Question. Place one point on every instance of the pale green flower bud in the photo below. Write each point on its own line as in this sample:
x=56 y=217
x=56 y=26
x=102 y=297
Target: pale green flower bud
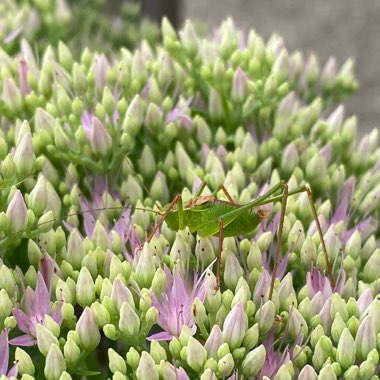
x=120 y=294
x=65 y=376
x=131 y=190
x=213 y=299
x=327 y=373
x=45 y=225
x=100 y=237
x=17 y=213
x=296 y=236
x=251 y=337
x=254 y=361
x=116 y=268
x=61 y=140
x=129 y=322
x=332 y=241
x=367 y=369
x=52 y=325
x=242 y=295
x=368 y=248
x=239 y=86
x=208 y=374
x=12 y=96
x=265 y=317
x=8 y=167
x=89 y=261
x=10 y=322
x=151 y=316
x=37 y=200
x=307 y=373
x=147 y=162
x=68 y=315
x=85 y=289
x=215 y=107
x=6 y=304
x=63 y=101
x=116 y=362
x=88 y=330
x=204 y=134
x=308 y=252
x=159 y=282
x=175 y=347
x=226 y=365
x=64 y=56
x=101 y=141
x=299 y=356
x=55 y=363
x=337 y=327
x=321 y=352
x=369 y=272
x=351 y=373
x=254 y=259
x=353 y=245
x=196 y=354
x=134 y=116
x=45 y=339
x=264 y=241
x=346 y=350
x=365 y=338
x=199 y=311
x=25 y=362
x=71 y=351
x=133 y=358
x=213 y=342
x=146 y=268
x=159 y=189
x=204 y=251
x=296 y=324
x=101 y=314
x=146 y=368
x=157 y=352
x=235 y=326
x=75 y=252
x=110 y=332
x=338 y=304
x=234 y=270
x=189 y=39
x=223 y=350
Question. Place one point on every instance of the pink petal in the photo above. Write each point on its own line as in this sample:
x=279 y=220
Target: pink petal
x=22 y=319
x=23 y=340
x=14 y=370
x=57 y=314
x=4 y=349
x=13 y=35
x=160 y=336
x=42 y=300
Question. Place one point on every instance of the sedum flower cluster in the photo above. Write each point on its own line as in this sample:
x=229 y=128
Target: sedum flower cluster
x=91 y=150
x=78 y=23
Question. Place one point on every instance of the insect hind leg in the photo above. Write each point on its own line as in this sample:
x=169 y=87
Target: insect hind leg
x=284 y=198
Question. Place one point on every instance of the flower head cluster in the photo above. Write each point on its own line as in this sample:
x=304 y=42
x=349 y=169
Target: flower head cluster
x=106 y=141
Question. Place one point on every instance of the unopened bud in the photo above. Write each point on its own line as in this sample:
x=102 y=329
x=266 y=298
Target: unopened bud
x=146 y=368
x=55 y=363
x=88 y=330
x=254 y=361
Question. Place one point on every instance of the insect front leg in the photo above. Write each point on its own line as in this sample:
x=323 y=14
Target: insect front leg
x=177 y=200
x=225 y=191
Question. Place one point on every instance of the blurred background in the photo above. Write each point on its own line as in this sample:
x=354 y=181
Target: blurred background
x=348 y=28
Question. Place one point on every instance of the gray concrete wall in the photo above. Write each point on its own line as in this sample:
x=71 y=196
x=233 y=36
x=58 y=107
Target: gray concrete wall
x=342 y=28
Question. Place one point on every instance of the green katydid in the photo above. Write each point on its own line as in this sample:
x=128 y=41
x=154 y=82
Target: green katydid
x=209 y=216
